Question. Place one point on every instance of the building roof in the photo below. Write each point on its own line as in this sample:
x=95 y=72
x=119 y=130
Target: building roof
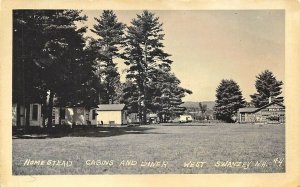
x=250 y=110
x=280 y=104
x=270 y=105
x=111 y=107
x=247 y=109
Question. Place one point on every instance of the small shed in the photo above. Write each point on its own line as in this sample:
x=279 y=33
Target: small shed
x=111 y=114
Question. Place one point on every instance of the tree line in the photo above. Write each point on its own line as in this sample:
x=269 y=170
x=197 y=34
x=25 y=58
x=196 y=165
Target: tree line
x=229 y=97
x=55 y=65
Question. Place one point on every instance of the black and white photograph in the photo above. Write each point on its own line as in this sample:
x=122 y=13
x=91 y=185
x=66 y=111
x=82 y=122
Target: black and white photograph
x=114 y=92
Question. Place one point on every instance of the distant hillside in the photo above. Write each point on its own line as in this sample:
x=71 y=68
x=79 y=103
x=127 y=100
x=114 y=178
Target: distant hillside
x=192 y=104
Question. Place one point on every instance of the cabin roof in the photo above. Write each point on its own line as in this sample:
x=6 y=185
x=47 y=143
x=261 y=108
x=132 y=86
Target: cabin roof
x=280 y=104
x=111 y=107
x=250 y=110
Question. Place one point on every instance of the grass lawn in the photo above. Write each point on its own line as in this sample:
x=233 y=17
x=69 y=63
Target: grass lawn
x=155 y=149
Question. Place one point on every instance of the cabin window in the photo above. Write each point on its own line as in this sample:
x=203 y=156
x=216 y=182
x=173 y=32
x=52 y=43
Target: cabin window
x=62 y=113
x=34 y=112
x=94 y=114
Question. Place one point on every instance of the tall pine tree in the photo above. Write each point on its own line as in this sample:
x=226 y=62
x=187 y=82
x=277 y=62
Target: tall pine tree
x=143 y=55
x=55 y=60
x=229 y=100
x=167 y=95
x=151 y=86
x=63 y=64
x=110 y=42
x=27 y=43
x=266 y=86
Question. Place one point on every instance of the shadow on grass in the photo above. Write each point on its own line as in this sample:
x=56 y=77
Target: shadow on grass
x=189 y=124
x=83 y=132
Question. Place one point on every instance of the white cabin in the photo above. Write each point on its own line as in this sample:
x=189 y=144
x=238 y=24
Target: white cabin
x=35 y=114
x=74 y=116
x=111 y=114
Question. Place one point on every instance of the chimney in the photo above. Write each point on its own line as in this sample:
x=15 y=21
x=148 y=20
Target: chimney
x=270 y=99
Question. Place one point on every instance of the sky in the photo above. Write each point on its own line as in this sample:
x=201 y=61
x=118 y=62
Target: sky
x=210 y=45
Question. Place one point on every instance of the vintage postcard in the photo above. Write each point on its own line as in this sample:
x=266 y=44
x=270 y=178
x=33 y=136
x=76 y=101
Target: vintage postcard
x=150 y=94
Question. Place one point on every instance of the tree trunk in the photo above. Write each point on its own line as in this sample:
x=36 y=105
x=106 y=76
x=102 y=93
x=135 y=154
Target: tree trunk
x=144 y=110
x=27 y=108
x=110 y=87
x=50 y=108
x=99 y=97
x=100 y=88
x=44 y=111
x=59 y=116
x=145 y=85
x=109 y=101
x=18 y=115
x=140 y=111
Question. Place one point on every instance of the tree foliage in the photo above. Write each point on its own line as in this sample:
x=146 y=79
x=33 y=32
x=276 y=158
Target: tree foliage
x=50 y=48
x=107 y=47
x=266 y=86
x=229 y=100
x=53 y=63
x=152 y=87
x=27 y=42
x=203 y=107
x=167 y=95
